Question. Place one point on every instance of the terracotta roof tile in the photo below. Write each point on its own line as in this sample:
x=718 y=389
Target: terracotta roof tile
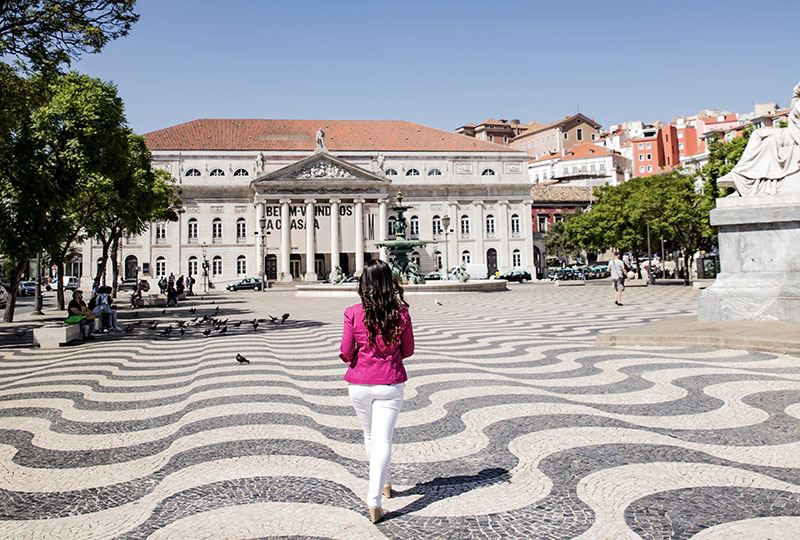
x=340 y=135
x=554 y=193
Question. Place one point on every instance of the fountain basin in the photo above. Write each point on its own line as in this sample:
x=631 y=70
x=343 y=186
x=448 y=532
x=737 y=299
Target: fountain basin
x=431 y=287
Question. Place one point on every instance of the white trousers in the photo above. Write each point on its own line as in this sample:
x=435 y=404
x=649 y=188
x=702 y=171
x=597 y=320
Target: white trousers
x=377 y=407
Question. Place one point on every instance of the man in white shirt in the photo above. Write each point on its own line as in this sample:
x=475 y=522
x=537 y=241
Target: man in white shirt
x=617 y=270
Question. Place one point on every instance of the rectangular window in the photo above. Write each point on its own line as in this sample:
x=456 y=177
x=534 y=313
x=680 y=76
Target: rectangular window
x=641 y=145
x=680 y=134
x=649 y=168
x=566 y=170
x=542 y=222
x=594 y=136
x=680 y=146
x=648 y=146
x=580 y=134
x=641 y=168
x=602 y=167
x=649 y=157
x=592 y=168
x=641 y=157
x=566 y=136
x=161 y=233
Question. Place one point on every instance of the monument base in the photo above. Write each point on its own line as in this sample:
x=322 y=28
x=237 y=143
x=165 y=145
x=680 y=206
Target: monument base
x=759 y=247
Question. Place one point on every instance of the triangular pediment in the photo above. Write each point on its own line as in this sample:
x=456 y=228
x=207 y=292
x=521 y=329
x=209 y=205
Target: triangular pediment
x=321 y=168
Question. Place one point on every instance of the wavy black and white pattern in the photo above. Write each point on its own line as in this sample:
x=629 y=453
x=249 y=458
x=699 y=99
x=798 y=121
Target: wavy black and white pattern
x=515 y=426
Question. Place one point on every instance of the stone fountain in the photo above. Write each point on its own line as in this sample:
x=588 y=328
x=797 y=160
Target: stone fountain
x=400 y=247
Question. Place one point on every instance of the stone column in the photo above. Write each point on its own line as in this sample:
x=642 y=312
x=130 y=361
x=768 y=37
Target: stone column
x=477 y=232
x=177 y=244
x=311 y=274
x=527 y=233
x=382 y=228
x=89 y=268
x=452 y=247
x=504 y=262
x=285 y=275
x=359 y=237
x=334 y=236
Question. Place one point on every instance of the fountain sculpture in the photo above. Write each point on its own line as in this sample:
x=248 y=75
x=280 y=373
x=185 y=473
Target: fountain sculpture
x=400 y=247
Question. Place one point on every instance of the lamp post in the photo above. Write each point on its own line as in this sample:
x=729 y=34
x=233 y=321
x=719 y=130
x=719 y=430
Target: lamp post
x=446 y=225
x=205 y=268
x=264 y=277
x=37 y=310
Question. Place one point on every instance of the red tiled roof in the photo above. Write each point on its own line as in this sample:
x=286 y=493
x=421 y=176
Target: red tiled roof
x=551 y=125
x=585 y=150
x=340 y=135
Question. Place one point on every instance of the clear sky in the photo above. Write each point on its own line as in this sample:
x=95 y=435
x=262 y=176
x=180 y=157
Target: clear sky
x=449 y=63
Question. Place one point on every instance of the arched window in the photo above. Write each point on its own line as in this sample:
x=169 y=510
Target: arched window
x=490 y=226
x=487 y=172
x=412 y=172
x=216 y=230
x=161 y=266
x=392 y=220
x=241 y=266
x=515 y=231
x=434 y=172
x=241 y=172
x=192 y=172
x=192 y=266
x=437 y=225
x=192 y=231
x=241 y=230
x=516 y=258
x=216 y=266
x=391 y=172
x=413 y=226
x=466 y=257
x=217 y=172
x=415 y=258
x=464 y=226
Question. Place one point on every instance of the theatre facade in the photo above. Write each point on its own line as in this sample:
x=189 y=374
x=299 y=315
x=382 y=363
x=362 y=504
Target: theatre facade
x=296 y=198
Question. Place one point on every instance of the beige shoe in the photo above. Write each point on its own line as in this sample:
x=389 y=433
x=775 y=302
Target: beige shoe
x=375 y=513
x=387 y=491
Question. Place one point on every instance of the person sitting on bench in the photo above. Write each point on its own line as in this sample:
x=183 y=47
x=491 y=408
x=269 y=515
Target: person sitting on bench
x=77 y=308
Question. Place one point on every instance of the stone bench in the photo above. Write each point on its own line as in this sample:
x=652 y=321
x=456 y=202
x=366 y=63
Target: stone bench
x=156 y=300
x=50 y=337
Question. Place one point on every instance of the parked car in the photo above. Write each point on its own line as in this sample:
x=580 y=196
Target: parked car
x=245 y=284
x=26 y=288
x=130 y=285
x=433 y=276
x=517 y=275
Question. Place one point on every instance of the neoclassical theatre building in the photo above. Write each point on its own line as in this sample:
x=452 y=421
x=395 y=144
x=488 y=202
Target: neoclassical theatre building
x=303 y=196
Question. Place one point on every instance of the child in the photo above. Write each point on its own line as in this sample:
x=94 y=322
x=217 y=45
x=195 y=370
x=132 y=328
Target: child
x=377 y=337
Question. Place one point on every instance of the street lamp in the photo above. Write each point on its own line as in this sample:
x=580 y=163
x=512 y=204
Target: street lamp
x=264 y=278
x=446 y=225
x=205 y=268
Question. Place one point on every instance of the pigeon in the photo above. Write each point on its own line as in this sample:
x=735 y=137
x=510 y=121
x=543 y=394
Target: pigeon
x=237 y=324
x=255 y=326
x=213 y=302
x=437 y=302
x=164 y=311
x=284 y=317
x=129 y=329
x=166 y=330
x=192 y=310
x=193 y=320
x=216 y=309
x=206 y=332
x=201 y=298
x=183 y=330
x=241 y=359
x=138 y=323
x=274 y=319
x=154 y=326
x=223 y=330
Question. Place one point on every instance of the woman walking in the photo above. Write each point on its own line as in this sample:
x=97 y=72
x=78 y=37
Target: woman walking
x=377 y=337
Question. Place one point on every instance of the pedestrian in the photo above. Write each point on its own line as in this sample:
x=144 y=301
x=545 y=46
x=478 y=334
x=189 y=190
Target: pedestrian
x=191 y=286
x=171 y=279
x=179 y=286
x=617 y=270
x=162 y=284
x=172 y=295
x=377 y=336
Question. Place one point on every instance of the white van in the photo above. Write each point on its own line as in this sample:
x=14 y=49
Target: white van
x=71 y=283
x=478 y=271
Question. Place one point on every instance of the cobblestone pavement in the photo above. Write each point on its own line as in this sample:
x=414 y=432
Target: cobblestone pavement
x=515 y=426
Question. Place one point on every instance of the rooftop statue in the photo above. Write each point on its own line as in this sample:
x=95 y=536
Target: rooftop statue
x=320 y=140
x=771 y=161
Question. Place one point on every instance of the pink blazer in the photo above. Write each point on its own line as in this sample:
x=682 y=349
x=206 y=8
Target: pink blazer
x=374 y=364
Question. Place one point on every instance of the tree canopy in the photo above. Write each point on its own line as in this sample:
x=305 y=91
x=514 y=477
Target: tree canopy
x=47 y=34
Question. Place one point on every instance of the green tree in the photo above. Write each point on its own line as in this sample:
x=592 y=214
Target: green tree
x=722 y=156
x=558 y=243
x=46 y=34
x=47 y=155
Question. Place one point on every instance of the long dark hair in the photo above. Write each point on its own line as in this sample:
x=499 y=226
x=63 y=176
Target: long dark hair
x=382 y=298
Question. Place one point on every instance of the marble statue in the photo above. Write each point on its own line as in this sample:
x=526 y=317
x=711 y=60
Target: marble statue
x=260 y=162
x=770 y=163
x=320 y=140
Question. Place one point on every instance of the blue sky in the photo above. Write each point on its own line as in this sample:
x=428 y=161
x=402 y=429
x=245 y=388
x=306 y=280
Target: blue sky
x=447 y=63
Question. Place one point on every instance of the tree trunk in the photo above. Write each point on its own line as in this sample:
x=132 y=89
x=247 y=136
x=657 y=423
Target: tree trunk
x=114 y=265
x=11 y=301
x=101 y=269
x=687 y=268
x=60 y=285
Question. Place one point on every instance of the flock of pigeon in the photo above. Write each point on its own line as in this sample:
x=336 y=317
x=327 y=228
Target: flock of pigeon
x=208 y=325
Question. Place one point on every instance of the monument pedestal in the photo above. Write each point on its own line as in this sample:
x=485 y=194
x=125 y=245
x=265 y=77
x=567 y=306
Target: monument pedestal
x=759 y=247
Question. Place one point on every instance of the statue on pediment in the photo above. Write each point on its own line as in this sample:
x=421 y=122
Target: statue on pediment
x=260 y=161
x=322 y=169
x=770 y=163
x=320 y=141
